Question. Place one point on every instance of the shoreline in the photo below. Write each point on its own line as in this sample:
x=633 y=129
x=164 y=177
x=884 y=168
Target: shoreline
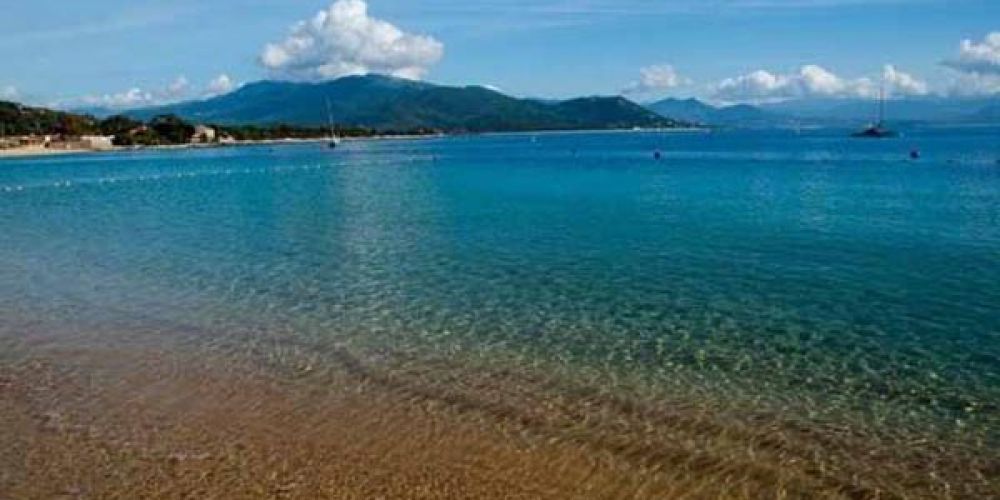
x=102 y=422
x=31 y=152
x=163 y=417
x=34 y=151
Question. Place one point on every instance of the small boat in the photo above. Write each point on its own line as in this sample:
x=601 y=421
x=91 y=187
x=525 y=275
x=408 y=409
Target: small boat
x=877 y=130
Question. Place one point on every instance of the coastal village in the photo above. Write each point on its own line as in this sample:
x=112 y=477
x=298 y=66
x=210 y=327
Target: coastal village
x=32 y=131
x=36 y=144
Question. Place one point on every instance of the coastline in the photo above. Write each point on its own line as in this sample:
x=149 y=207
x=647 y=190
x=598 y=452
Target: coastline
x=34 y=151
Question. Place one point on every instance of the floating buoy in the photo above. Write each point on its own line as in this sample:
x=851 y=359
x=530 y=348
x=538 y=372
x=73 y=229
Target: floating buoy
x=914 y=154
x=657 y=155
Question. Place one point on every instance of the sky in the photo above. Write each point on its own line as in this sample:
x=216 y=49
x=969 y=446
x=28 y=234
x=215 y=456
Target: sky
x=126 y=53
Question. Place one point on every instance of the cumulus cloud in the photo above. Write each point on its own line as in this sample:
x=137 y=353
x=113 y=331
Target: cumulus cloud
x=131 y=98
x=975 y=84
x=810 y=81
x=137 y=97
x=344 y=40
x=813 y=81
x=903 y=84
x=219 y=85
x=179 y=88
x=981 y=58
x=977 y=67
x=656 y=79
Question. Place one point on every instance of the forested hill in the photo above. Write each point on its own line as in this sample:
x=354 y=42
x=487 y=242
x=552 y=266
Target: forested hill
x=386 y=103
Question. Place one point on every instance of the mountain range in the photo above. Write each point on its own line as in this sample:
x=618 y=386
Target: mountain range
x=392 y=104
x=387 y=103
x=695 y=111
x=832 y=112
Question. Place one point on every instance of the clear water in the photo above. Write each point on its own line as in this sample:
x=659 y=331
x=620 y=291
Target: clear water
x=806 y=267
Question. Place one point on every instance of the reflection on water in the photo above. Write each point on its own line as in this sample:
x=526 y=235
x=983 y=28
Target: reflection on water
x=822 y=275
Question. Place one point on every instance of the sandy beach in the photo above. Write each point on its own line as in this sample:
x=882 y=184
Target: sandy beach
x=39 y=151
x=93 y=424
x=85 y=422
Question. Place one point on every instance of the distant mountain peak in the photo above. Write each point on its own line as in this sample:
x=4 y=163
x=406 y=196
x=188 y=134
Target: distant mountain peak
x=696 y=111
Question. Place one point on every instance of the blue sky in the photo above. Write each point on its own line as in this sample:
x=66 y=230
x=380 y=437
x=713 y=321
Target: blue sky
x=98 y=50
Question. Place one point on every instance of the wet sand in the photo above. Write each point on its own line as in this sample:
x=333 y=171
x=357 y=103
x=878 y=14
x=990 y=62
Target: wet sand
x=91 y=424
x=88 y=422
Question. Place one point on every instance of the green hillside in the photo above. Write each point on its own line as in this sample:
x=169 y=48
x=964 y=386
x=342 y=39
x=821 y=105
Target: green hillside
x=386 y=103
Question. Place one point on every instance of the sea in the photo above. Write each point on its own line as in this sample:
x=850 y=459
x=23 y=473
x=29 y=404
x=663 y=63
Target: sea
x=831 y=281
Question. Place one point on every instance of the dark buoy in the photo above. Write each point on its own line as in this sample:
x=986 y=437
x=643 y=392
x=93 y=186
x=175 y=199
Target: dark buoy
x=914 y=154
x=657 y=155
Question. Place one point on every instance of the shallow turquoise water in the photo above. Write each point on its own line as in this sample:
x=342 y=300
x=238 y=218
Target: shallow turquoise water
x=778 y=265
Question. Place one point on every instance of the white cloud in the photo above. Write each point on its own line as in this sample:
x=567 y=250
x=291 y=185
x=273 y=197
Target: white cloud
x=980 y=58
x=656 y=79
x=9 y=92
x=344 y=40
x=975 y=84
x=219 y=85
x=810 y=81
x=902 y=84
x=178 y=89
x=131 y=98
x=136 y=97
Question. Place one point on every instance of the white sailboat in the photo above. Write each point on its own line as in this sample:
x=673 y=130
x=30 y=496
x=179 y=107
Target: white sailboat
x=334 y=140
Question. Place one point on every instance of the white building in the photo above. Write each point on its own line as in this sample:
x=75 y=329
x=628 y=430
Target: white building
x=203 y=134
x=98 y=142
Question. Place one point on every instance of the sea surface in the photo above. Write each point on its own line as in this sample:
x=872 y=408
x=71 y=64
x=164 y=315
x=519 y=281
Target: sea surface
x=808 y=271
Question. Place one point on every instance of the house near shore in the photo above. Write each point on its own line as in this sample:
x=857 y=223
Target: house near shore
x=26 y=141
x=203 y=135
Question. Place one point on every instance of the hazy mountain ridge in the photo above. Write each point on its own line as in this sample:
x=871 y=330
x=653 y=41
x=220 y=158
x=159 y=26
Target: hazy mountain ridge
x=840 y=112
x=741 y=115
x=922 y=109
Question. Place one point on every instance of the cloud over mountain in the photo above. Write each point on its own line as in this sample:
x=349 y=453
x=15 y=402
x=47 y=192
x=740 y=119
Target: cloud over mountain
x=221 y=84
x=810 y=81
x=131 y=98
x=813 y=81
x=656 y=78
x=344 y=40
x=902 y=84
x=981 y=58
x=179 y=89
x=978 y=67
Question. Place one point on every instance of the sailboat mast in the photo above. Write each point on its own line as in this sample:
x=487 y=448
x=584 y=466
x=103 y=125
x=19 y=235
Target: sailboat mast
x=881 y=102
x=329 y=117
